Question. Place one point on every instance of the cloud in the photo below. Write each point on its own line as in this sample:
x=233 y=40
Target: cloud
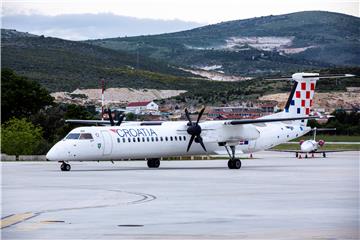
x=92 y=26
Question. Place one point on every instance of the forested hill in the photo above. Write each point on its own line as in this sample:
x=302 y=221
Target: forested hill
x=66 y=65
x=261 y=45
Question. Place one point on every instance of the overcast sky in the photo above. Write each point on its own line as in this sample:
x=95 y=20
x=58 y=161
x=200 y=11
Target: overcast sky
x=83 y=19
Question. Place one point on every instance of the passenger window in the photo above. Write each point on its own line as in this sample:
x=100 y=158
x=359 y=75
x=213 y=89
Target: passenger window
x=73 y=136
x=184 y=138
x=138 y=139
x=129 y=140
x=148 y=139
x=175 y=138
x=156 y=139
x=143 y=139
x=118 y=140
x=134 y=139
x=166 y=138
x=171 y=138
x=123 y=140
x=161 y=139
x=152 y=139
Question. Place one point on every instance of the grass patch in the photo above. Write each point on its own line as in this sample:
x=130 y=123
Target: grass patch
x=329 y=138
x=296 y=146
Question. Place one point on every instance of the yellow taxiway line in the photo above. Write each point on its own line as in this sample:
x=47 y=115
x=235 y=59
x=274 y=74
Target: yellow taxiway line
x=15 y=218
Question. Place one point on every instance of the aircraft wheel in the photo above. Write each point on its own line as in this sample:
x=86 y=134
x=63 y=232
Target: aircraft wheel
x=296 y=155
x=234 y=163
x=65 y=167
x=237 y=164
x=231 y=164
x=150 y=163
x=306 y=156
x=156 y=163
x=324 y=155
x=153 y=163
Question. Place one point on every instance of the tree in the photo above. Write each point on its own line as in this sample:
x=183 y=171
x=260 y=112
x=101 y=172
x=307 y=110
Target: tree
x=21 y=97
x=20 y=137
x=130 y=116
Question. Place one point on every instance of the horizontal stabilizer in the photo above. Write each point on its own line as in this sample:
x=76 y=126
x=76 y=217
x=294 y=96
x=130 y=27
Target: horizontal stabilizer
x=314 y=75
x=262 y=120
x=89 y=122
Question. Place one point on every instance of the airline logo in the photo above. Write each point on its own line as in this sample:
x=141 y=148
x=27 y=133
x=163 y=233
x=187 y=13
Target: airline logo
x=303 y=97
x=135 y=132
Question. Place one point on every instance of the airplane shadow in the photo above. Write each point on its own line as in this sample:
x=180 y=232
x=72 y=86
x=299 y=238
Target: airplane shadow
x=244 y=168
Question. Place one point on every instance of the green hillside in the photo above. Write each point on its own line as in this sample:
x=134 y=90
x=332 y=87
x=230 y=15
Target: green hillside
x=331 y=39
x=66 y=65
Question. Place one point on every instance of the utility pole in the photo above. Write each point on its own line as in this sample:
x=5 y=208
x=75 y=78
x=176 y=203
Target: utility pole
x=102 y=98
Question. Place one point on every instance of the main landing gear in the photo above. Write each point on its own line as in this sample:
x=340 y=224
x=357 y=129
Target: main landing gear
x=153 y=162
x=65 y=167
x=233 y=163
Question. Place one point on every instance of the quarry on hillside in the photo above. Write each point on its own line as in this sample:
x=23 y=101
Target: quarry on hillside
x=327 y=101
x=113 y=95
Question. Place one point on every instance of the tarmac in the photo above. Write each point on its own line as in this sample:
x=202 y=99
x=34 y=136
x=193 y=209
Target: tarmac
x=273 y=196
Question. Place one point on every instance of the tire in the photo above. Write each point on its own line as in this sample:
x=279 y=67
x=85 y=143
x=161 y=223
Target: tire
x=237 y=164
x=150 y=163
x=62 y=167
x=156 y=163
x=153 y=163
x=67 y=167
x=231 y=164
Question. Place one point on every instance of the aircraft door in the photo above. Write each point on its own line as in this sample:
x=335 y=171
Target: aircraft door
x=107 y=141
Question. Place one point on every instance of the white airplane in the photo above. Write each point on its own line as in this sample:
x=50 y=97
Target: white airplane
x=153 y=140
x=312 y=146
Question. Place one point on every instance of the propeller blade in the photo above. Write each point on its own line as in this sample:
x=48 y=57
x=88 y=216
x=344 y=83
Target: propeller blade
x=121 y=118
x=200 y=115
x=190 y=142
x=200 y=140
x=188 y=116
x=110 y=117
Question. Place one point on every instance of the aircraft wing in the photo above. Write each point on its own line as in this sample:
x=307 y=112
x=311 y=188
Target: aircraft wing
x=89 y=122
x=291 y=150
x=265 y=120
x=300 y=151
x=328 y=151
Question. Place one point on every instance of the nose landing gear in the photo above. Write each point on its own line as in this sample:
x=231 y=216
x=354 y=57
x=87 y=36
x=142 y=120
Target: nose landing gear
x=65 y=167
x=233 y=163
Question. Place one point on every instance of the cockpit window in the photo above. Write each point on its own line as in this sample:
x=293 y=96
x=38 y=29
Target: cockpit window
x=73 y=136
x=86 y=136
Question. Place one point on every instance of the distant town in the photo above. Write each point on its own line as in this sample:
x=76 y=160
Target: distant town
x=154 y=105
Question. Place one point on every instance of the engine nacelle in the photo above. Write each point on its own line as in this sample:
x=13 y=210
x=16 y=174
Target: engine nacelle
x=321 y=143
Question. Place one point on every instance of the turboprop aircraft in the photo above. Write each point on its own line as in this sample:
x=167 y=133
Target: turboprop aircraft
x=153 y=140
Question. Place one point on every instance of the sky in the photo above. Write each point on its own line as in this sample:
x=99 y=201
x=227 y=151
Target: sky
x=89 y=19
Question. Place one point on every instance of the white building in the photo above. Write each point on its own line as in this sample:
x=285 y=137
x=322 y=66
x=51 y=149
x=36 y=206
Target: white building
x=142 y=107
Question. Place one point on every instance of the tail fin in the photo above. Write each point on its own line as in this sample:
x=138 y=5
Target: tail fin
x=301 y=98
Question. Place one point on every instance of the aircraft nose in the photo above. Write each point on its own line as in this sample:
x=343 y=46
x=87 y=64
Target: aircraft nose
x=306 y=147
x=55 y=153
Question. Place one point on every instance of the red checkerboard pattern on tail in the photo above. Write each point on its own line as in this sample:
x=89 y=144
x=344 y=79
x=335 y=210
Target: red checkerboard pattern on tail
x=302 y=95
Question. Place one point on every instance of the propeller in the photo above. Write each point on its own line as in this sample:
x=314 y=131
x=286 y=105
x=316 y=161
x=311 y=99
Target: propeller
x=112 y=123
x=121 y=118
x=194 y=129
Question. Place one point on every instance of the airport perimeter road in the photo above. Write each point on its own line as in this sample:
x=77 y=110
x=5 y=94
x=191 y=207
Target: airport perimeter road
x=274 y=196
